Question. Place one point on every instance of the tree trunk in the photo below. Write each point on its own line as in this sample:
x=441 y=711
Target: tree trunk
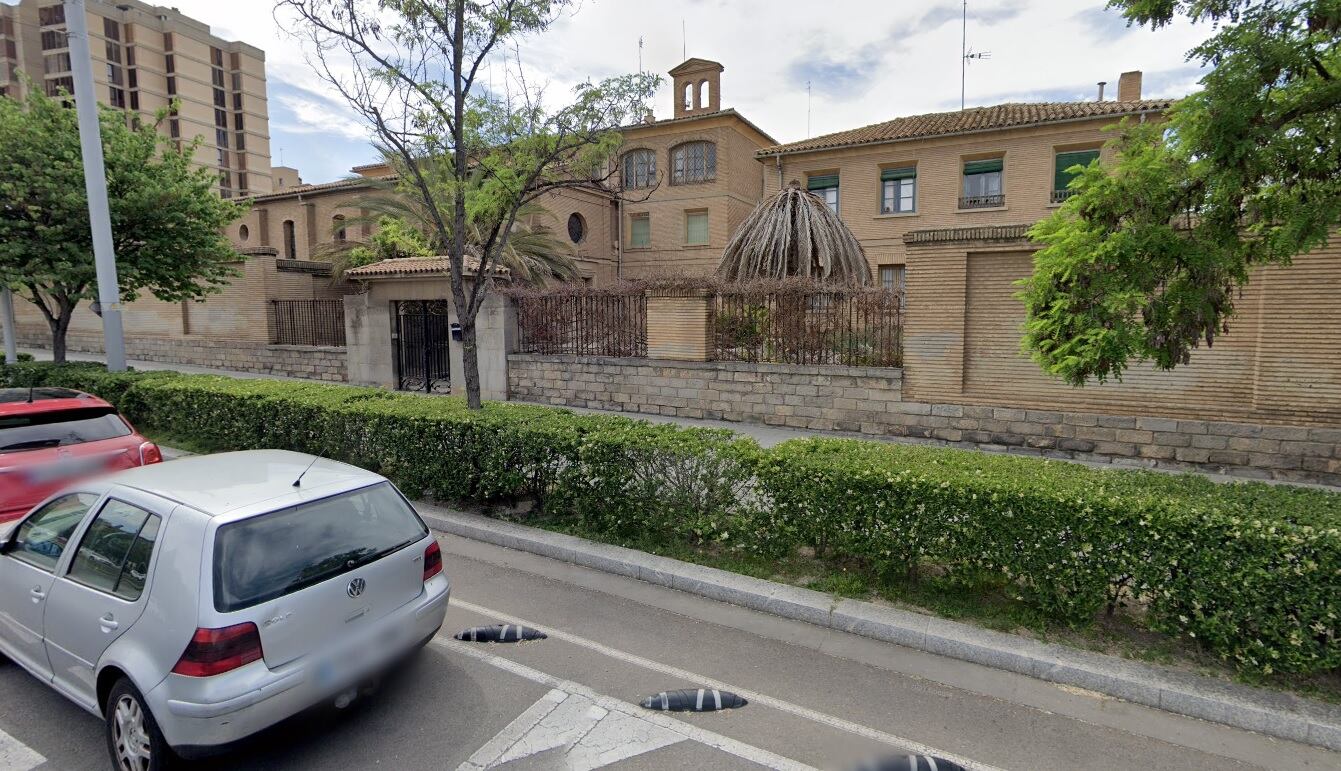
x=59 y=326
x=470 y=363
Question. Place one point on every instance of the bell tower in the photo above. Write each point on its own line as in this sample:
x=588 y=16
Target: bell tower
x=697 y=87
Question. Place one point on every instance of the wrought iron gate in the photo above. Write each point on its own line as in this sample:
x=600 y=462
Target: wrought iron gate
x=422 y=340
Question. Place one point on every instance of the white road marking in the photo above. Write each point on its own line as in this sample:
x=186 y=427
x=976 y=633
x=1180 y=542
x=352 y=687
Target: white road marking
x=17 y=756
x=591 y=736
x=753 y=696
x=612 y=705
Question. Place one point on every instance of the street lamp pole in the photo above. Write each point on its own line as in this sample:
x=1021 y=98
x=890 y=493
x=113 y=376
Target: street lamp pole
x=95 y=183
x=11 y=332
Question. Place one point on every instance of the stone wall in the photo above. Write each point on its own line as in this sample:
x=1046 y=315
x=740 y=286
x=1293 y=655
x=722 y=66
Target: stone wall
x=314 y=363
x=869 y=402
x=774 y=394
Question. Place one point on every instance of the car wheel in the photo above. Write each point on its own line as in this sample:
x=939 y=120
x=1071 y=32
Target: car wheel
x=133 y=738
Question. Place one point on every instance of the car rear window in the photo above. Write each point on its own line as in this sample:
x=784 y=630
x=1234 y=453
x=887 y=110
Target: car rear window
x=59 y=428
x=275 y=554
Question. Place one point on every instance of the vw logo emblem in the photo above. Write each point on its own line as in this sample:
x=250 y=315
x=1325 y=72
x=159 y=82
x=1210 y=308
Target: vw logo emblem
x=356 y=587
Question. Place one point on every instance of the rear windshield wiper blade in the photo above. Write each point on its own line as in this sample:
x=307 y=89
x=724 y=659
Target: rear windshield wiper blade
x=35 y=444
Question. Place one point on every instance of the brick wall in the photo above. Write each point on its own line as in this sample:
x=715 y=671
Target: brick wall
x=869 y=401
x=314 y=363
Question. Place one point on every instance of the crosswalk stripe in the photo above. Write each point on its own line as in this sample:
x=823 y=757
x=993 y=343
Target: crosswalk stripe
x=17 y=756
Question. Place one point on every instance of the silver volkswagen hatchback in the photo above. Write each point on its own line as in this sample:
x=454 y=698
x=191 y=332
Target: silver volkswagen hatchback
x=193 y=603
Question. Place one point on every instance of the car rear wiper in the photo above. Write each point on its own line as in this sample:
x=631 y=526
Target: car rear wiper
x=34 y=444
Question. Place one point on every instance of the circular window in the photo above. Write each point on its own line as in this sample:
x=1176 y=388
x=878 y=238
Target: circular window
x=243 y=233
x=577 y=227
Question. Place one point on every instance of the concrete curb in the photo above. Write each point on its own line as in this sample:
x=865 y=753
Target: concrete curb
x=1272 y=713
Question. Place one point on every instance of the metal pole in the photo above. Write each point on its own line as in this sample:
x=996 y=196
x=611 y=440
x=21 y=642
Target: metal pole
x=963 y=55
x=11 y=331
x=95 y=183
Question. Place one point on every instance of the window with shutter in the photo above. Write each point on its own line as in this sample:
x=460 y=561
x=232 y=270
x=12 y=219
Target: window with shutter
x=1062 y=176
x=898 y=190
x=826 y=187
x=696 y=228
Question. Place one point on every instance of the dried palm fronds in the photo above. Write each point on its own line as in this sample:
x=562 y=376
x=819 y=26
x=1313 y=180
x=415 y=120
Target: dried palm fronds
x=794 y=233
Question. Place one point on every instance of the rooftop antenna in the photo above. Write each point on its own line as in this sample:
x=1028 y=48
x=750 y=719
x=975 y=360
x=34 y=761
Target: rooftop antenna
x=807 y=109
x=684 y=41
x=966 y=54
x=640 y=54
x=299 y=481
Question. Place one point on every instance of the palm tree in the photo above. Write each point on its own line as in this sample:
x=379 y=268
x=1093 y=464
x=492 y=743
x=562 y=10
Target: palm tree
x=794 y=233
x=534 y=255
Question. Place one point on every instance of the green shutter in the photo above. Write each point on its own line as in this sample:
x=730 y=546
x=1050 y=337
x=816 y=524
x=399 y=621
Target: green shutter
x=983 y=167
x=696 y=229
x=640 y=231
x=909 y=172
x=1065 y=161
x=822 y=182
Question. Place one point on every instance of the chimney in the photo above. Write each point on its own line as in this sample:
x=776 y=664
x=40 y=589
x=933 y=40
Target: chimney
x=1129 y=86
x=1102 y=83
x=649 y=117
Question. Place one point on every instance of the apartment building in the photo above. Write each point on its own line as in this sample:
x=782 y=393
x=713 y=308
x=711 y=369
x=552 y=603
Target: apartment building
x=984 y=166
x=688 y=181
x=144 y=58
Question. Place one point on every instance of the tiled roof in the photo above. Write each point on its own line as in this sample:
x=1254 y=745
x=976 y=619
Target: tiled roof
x=413 y=266
x=323 y=187
x=729 y=111
x=1001 y=116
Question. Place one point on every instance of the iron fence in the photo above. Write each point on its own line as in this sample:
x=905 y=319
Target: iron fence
x=308 y=322
x=854 y=328
x=583 y=324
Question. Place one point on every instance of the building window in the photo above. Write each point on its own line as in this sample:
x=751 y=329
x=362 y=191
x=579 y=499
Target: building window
x=242 y=184
x=114 y=74
x=693 y=162
x=982 y=184
x=1061 y=177
x=894 y=278
x=216 y=56
x=55 y=86
x=220 y=119
x=52 y=14
x=54 y=63
x=135 y=101
x=640 y=231
x=290 y=241
x=174 y=128
x=234 y=61
x=116 y=98
x=898 y=190
x=170 y=63
x=130 y=56
x=54 y=38
x=241 y=141
x=696 y=228
x=577 y=228
x=221 y=137
x=238 y=123
x=640 y=169
x=172 y=85
x=826 y=187
x=243 y=233
x=167 y=41
x=110 y=29
x=338 y=225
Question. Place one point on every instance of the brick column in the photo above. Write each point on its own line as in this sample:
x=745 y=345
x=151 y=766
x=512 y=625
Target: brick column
x=679 y=325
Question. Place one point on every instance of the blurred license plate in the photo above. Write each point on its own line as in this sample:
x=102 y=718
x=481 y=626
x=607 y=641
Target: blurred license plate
x=64 y=469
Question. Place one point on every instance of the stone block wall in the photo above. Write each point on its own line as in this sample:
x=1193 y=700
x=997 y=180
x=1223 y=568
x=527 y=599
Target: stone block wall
x=773 y=394
x=309 y=362
x=869 y=402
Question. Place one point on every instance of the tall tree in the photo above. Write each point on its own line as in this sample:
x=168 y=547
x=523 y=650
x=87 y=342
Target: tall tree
x=167 y=221
x=1146 y=259
x=412 y=69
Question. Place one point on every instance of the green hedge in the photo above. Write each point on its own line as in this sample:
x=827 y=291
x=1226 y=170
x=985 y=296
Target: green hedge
x=1251 y=571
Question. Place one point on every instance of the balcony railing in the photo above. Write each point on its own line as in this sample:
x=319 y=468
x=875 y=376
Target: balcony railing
x=982 y=201
x=1060 y=195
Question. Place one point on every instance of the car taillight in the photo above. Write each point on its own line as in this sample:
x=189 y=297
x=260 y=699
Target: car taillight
x=432 y=560
x=149 y=453
x=215 y=651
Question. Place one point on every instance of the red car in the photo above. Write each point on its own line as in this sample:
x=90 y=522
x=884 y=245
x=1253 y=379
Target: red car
x=51 y=436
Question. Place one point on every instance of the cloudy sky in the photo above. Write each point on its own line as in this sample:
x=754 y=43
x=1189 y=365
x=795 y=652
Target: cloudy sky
x=866 y=60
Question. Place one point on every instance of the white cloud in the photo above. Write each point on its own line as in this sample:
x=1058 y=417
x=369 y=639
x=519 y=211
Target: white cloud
x=867 y=60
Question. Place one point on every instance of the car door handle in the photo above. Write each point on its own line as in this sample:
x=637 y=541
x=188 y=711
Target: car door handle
x=107 y=623
x=37 y=594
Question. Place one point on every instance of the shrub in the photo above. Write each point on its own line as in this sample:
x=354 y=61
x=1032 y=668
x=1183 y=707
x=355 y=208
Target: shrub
x=1250 y=571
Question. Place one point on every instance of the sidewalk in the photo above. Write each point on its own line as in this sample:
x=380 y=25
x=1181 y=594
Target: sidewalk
x=766 y=436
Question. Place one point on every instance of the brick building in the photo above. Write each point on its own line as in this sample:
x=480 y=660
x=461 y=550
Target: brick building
x=144 y=57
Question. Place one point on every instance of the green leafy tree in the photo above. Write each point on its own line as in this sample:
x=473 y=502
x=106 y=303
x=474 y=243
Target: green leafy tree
x=412 y=69
x=1145 y=261
x=167 y=221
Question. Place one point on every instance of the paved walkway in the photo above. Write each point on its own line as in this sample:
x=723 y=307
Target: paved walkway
x=766 y=436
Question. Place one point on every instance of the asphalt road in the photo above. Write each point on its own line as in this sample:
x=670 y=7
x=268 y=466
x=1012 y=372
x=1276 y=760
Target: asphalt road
x=817 y=698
